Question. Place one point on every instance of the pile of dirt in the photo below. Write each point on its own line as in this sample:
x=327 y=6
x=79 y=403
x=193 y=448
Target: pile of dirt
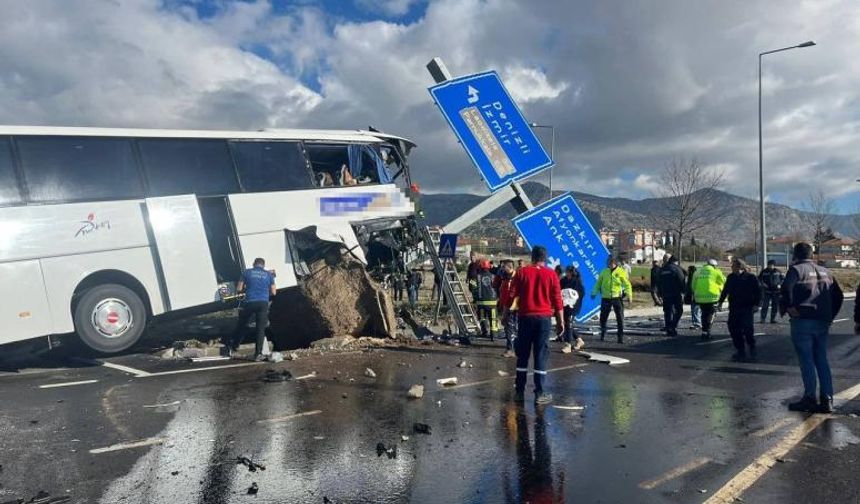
x=338 y=298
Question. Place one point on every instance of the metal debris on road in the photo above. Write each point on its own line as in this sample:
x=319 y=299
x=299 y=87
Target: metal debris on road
x=250 y=464
x=415 y=392
x=404 y=438
x=305 y=377
x=609 y=359
x=463 y=364
x=421 y=428
x=447 y=382
x=253 y=489
x=369 y=373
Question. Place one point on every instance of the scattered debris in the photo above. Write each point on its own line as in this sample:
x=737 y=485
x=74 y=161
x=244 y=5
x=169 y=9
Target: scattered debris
x=404 y=438
x=702 y=491
x=572 y=408
x=369 y=373
x=274 y=376
x=313 y=374
x=253 y=489
x=344 y=395
x=421 y=428
x=250 y=464
x=447 y=382
x=42 y=497
x=319 y=438
x=416 y=392
x=462 y=363
x=609 y=359
x=503 y=373
x=326 y=500
x=174 y=473
x=293 y=356
x=391 y=451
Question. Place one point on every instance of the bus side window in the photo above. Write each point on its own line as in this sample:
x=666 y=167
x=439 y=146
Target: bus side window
x=185 y=166
x=78 y=168
x=9 y=194
x=271 y=166
x=344 y=165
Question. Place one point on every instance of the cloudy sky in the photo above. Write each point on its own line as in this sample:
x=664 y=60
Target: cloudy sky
x=627 y=84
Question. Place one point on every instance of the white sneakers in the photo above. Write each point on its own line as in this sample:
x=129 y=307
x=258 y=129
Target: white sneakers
x=566 y=348
x=580 y=344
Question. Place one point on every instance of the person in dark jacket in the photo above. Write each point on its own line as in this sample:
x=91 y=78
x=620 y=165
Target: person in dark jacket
x=413 y=283
x=812 y=298
x=744 y=295
x=486 y=300
x=671 y=285
x=572 y=280
x=655 y=283
x=695 y=311
x=770 y=279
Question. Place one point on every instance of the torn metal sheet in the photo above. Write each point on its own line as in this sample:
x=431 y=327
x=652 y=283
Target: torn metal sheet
x=609 y=359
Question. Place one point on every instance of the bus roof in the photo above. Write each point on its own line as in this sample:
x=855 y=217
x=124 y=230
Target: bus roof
x=279 y=134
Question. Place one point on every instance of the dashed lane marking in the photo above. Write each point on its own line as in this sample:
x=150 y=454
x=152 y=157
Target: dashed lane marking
x=501 y=378
x=67 y=384
x=138 y=373
x=128 y=446
x=840 y=320
x=742 y=481
x=289 y=417
x=674 y=473
x=202 y=369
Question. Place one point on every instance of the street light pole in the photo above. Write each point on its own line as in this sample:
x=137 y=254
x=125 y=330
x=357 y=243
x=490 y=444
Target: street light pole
x=551 y=150
x=760 y=157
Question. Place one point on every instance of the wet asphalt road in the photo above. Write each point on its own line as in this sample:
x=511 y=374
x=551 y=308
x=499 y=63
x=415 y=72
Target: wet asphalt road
x=674 y=425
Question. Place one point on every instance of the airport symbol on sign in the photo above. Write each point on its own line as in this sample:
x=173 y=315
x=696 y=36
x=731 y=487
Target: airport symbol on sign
x=491 y=128
x=447 y=246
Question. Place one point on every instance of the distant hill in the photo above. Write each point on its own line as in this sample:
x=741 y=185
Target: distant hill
x=737 y=225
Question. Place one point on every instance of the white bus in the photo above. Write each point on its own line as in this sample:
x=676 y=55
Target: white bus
x=103 y=229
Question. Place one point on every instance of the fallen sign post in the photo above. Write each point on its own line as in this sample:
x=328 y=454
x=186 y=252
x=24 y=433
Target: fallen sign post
x=570 y=239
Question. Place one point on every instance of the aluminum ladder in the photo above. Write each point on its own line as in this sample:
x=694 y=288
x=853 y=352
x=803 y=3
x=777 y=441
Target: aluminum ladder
x=452 y=286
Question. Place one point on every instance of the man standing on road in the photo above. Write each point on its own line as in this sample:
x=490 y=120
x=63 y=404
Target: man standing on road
x=258 y=286
x=612 y=285
x=538 y=294
x=486 y=300
x=695 y=311
x=771 y=279
x=671 y=284
x=707 y=286
x=812 y=298
x=744 y=297
x=413 y=283
x=655 y=283
x=572 y=291
x=472 y=273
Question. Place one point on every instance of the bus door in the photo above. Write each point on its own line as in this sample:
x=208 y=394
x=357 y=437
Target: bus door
x=221 y=235
x=181 y=246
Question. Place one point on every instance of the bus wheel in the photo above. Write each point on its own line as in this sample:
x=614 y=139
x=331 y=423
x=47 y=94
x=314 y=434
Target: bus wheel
x=109 y=318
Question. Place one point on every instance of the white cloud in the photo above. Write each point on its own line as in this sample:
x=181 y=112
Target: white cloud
x=530 y=84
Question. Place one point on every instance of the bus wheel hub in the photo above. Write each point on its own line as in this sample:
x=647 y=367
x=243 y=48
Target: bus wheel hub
x=112 y=317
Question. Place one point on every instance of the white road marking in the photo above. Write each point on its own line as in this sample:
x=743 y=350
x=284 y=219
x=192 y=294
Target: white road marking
x=138 y=373
x=500 y=378
x=289 y=417
x=307 y=376
x=163 y=405
x=674 y=473
x=572 y=408
x=713 y=342
x=68 y=384
x=742 y=481
x=840 y=320
x=609 y=359
x=758 y=334
x=200 y=370
x=767 y=431
x=128 y=446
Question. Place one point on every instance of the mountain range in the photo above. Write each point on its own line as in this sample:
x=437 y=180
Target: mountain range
x=737 y=224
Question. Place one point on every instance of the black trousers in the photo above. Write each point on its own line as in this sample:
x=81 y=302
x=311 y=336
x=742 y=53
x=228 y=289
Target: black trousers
x=259 y=310
x=673 y=308
x=742 y=330
x=569 y=325
x=708 y=312
x=616 y=305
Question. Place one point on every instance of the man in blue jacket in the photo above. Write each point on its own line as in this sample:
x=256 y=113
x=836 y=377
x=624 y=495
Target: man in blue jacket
x=258 y=286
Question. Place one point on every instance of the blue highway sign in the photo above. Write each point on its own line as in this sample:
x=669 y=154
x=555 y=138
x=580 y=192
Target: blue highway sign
x=570 y=239
x=491 y=128
x=447 y=246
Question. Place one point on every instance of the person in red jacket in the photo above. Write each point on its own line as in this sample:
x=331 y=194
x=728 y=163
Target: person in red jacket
x=538 y=293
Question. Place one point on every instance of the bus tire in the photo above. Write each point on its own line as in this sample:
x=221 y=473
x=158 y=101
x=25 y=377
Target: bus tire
x=109 y=318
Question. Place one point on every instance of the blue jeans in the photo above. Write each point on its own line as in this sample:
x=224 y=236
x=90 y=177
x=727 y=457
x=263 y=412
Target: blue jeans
x=532 y=336
x=769 y=299
x=696 y=314
x=413 y=295
x=510 y=330
x=810 y=342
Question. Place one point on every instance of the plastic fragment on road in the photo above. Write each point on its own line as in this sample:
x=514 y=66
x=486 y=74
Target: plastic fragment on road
x=462 y=364
x=503 y=373
x=250 y=464
x=369 y=373
x=415 y=392
x=447 y=382
x=391 y=451
x=163 y=405
x=253 y=489
x=276 y=357
x=609 y=359
x=305 y=377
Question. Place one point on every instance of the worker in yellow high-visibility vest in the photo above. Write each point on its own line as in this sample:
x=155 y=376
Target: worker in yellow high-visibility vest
x=613 y=285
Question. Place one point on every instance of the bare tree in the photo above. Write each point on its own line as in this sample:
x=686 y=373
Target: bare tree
x=691 y=195
x=819 y=216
